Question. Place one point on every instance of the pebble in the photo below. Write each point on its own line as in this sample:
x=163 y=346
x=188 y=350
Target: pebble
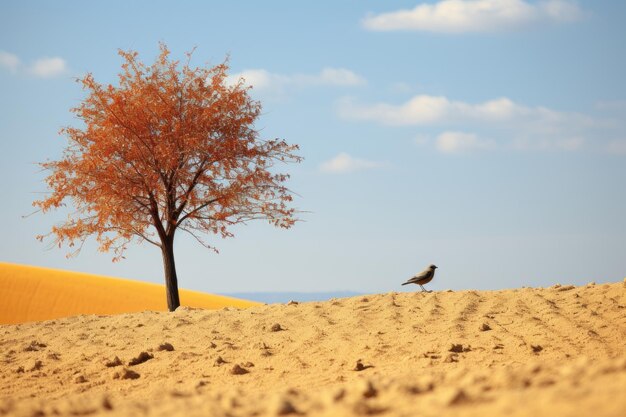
x=238 y=370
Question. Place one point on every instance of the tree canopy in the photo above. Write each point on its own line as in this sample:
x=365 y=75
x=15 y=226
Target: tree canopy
x=171 y=147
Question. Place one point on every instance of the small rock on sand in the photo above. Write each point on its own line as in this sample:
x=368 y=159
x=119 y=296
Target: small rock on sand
x=106 y=403
x=166 y=346
x=339 y=395
x=34 y=346
x=37 y=366
x=457 y=397
x=143 y=357
x=360 y=367
x=115 y=362
x=370 y=391
x=285 y=407
x=219 y=361
x=129 y=374
x=536 y=348
x=458 y=348
x=451 y=358
x=238 y=370
x=364 y=408
x=276 y=327
x=485 y=327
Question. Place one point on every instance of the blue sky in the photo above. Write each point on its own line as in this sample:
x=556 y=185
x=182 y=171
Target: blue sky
x=487 y=137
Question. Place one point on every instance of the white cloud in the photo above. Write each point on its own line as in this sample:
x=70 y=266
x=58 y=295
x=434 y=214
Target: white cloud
x=419 y=110
x=9 y=61
x=258 y=78
x=432 y=110
x=336 y=76
x=264 y=80
x=43 y=67
x=507 y=124
x=453 y=142
x=457 y=16
x=48 y=67
x=344 y=163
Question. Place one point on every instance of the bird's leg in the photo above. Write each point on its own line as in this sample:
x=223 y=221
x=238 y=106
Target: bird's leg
x=423 y=289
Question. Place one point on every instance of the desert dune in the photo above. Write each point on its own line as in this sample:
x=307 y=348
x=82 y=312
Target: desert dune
x=558 y=351
x=31 y=293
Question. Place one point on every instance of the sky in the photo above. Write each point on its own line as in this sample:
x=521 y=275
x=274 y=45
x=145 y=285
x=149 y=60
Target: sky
x=487 y=136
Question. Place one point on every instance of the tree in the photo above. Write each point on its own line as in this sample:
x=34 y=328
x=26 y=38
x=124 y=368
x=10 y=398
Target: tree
x=168 y=149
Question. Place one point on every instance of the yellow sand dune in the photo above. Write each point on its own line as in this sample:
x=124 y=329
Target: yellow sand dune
x=30 y=293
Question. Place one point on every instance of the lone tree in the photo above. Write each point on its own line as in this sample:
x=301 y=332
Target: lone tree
x=170 y=148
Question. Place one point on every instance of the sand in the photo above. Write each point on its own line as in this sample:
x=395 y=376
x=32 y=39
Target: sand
x=558 y=351
x=31 y=293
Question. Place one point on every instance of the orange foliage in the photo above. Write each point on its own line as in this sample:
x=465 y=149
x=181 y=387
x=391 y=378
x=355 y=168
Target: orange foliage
x=171 y=147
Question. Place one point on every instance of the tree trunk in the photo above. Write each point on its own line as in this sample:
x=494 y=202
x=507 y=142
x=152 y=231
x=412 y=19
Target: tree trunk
x=171 y=280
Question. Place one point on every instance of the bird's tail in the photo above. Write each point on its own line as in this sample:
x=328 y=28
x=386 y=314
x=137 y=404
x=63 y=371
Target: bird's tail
x=406 y=283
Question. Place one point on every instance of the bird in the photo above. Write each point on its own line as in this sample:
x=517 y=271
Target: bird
x=423 y=277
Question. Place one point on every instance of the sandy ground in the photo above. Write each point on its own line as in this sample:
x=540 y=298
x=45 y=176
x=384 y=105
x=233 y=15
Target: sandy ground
x=558 y=351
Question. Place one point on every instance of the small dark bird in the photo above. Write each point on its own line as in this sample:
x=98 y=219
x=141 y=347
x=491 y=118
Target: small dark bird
x=423 y=277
